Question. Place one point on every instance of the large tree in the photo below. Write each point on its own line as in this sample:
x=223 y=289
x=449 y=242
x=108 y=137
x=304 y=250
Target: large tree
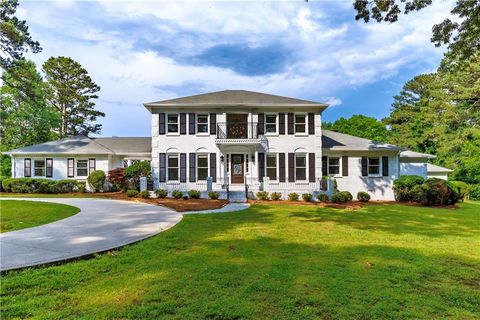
x=439 y=113
x=461 y=37
x=15 y=39
x=26 y=118
x=71 y=91
x=360 y=126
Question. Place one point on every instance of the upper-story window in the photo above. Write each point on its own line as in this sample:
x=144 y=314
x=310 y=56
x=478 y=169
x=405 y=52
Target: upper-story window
x=333 y=166
x=39 y=168
x=172 y=162
x=374 y=165
x=300 y=123
x=202 y=123
x=271 y=123
x=172 y=123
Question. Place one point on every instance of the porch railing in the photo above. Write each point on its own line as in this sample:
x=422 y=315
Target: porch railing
x=238 y=130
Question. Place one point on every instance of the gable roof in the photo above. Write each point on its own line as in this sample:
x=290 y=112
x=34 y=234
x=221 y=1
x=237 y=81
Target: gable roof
x=90 y=145
x=339 y=141
x=435 y=168
x=236 y=98
x=413 y=154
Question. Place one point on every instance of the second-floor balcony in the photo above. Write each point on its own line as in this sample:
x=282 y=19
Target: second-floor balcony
x=238 y=132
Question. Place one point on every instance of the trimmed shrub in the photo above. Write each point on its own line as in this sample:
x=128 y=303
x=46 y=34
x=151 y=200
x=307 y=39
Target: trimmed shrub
x=307 y=197
x=475 y=191
x=194 y=194
x=145 y=194
x=276 y=196
x=323 y=197
x=462 y=188
x=262 y=195
x=214 y=195
x=342 y=197
x=403 y=186
x=81 y=186
x=161 y=193
x=132 y=193
x=96 y=180
x=177 y=194
x=32 y=185
x=116 y=177
x=436 y=192
x=363 y=196
x=293 y=196
x=135 y=171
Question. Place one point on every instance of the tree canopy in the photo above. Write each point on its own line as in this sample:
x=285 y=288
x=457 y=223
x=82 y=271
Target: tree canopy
x=360 y=126
x=71 y=91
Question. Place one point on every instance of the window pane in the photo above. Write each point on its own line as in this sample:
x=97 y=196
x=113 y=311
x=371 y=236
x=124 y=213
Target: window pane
x=300 y=161
x=300 y=174
x=271 y=128
x=172 y=173
x=202 y=161
x=334 y=161
x=202 y=128
x=39 y=168
x=202 y=118
x=271 y=161
x=272 y=173
x=202 y=173
x=172 y=118
x=374 y=161
x=173 y=128
x=172 y=161
x=299 y=128
x=300 y=118
x=373 y=169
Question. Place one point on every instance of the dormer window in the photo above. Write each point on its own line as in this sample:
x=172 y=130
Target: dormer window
x=172 y=123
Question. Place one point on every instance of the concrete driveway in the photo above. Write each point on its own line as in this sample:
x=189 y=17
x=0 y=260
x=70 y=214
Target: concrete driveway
x=100 y=225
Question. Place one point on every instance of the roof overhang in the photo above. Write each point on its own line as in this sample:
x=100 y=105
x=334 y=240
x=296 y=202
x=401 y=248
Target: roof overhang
x=307 y=106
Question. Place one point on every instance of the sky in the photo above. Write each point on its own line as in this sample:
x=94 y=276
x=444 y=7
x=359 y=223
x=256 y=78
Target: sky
x=139 y=52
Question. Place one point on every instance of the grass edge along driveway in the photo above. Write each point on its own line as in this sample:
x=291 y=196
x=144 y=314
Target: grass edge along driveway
x=273 y=262
x=21 y=214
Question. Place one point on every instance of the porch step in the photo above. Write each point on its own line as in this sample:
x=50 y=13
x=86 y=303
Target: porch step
x=237 y=197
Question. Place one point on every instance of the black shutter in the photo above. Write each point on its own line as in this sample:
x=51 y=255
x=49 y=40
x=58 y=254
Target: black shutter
x=183 y=123
x=291 y=119
x=261 y=166
x=183 y=167
x=311 y=167
x=213 y=123
x=49 y=167
x=385 y=166
x=70 y=167
x=27 y=167
x=324 y=166
x=345 y=166
x=191 y=123
x=291 y=167
x=192 y=163
x=311 y=123
x=364 y=166
x=213 y=166
x=261 y=124
x=162 y=173
x=281 y=123
x=161 y=123
x=281 y=160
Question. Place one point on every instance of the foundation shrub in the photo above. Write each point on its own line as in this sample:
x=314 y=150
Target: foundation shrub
x=323 y=197
x=161 y=193
x=403 y=187
x=276 y=196
x=262 y=195
x=293 y=196
x=132 y=193
x=177 y=194
x=363 y=196
x=307 y=197
x=145 y=194
x=214 y=195
x=96 y=180
x=194 y=194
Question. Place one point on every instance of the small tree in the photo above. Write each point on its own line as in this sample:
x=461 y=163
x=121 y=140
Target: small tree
x=96 y=180
x=137 y=170
x=116 y=177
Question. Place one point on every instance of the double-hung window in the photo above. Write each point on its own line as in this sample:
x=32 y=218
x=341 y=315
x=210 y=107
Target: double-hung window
x=172 y=162
x=202 y=167
x=271 y=123
x=300 y=167
x=333 y=166
x=172 y=123
x=373 y=165
x=82 y=168
x=272 y=166
x=202 y=123
x=39 y=168
x=300 y=123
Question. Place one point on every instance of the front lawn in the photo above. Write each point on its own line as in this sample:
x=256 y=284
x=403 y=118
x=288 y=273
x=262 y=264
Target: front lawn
x=273 y=262
x=15 y=215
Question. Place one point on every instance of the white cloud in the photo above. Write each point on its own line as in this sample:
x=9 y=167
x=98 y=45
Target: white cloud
x=332 y=101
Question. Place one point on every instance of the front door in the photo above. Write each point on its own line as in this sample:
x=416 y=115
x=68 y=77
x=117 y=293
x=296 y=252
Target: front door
x=237 y=168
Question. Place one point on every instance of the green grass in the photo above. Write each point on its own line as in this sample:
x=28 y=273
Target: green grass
x=15 y=215
x=273 y=262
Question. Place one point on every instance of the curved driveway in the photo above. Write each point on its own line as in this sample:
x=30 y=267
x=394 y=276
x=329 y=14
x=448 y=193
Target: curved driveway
x=100 y=225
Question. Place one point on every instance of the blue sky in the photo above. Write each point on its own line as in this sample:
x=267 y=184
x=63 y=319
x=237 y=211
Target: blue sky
x=147 y=51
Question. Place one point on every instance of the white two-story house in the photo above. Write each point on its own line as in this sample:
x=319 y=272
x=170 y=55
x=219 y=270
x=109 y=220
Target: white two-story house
x=242 y=142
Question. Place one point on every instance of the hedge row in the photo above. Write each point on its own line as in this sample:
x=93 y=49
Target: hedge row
x=32 y=185
x=429 y=192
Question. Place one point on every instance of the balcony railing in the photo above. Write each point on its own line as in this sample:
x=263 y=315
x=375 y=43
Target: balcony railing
x=237 y=130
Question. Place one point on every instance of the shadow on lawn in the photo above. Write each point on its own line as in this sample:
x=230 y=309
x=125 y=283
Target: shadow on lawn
x=398 y=219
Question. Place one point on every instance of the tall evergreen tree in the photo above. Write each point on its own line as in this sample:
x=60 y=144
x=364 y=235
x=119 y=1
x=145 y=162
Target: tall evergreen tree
x=26 y=118
x=71 y=91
